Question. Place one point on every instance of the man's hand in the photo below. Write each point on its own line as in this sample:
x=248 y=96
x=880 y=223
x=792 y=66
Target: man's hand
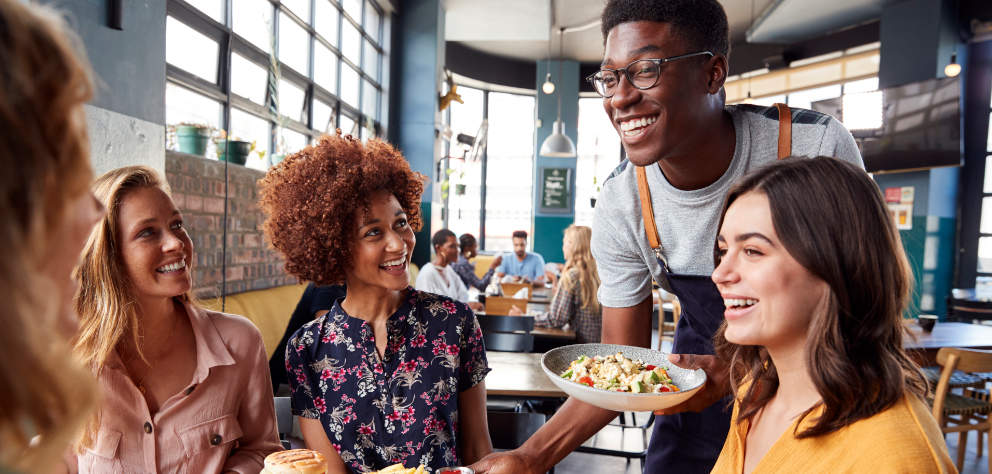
x=496 y=262
x=509 y=462
x=717 y=382
x=514 y=311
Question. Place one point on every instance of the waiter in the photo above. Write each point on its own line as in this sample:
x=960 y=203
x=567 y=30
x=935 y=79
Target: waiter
x=661 y=80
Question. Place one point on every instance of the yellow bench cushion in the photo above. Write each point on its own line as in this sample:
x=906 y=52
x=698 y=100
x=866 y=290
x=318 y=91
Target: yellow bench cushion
x=482 y=263
x=270 y=310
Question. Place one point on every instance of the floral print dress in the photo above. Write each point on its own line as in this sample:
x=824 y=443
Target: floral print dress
x=402 y=407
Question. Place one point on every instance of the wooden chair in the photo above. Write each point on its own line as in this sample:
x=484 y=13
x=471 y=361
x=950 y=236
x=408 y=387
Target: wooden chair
x=510 y=289
x=500 y=306
x=958 y=413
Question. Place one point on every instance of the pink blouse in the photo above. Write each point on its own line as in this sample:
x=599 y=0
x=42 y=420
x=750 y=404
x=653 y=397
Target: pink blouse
x=223 y=421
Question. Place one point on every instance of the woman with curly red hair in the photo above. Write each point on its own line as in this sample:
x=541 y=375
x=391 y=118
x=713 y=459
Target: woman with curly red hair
x=390 y=374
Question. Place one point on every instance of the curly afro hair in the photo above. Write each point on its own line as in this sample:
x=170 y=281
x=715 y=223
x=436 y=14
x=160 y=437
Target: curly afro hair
x=703 y=22
x=312 y=200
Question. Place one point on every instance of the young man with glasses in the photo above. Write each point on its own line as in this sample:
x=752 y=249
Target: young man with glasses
x=662 y=79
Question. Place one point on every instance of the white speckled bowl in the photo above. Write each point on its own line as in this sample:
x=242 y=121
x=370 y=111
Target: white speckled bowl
x=557 y=361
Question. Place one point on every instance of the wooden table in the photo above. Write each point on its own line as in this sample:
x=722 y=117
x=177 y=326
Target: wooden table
x=557 y=333
x=519 y=374
x=925 y=346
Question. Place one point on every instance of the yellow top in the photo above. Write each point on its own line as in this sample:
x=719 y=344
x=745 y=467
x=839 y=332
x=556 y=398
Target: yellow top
x=901 y=439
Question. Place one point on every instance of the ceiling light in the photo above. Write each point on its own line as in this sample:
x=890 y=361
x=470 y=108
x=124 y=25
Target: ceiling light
x=952 y=69
x=548 y=87
x=558 y=144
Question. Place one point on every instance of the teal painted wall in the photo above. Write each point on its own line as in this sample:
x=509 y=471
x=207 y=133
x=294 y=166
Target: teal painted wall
x=549 y=227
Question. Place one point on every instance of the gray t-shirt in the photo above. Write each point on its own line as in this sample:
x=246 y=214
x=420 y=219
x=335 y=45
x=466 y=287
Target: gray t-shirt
x=687 y=220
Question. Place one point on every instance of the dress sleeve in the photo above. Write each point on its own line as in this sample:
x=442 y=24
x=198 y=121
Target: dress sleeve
x=302 y=381
x=472 y=352
x=562 y=304
x=256 y=415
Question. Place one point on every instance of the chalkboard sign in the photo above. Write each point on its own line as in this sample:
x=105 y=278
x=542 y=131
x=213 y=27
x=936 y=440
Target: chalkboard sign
x=556 y=191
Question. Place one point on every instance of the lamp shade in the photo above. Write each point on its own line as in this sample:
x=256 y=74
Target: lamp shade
x=558 y=145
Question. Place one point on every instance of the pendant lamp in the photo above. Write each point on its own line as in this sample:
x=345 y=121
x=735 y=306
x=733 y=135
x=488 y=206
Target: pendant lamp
x=558 y=145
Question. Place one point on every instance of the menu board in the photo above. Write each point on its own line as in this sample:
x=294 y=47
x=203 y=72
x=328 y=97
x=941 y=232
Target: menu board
x=556 y=190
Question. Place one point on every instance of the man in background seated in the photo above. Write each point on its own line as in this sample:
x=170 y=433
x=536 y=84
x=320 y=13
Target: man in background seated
x=466 y=269
x=527 y=266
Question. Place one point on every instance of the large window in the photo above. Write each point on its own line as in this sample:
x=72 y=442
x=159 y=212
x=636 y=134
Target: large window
x=598 y=148
x=279 y=73
x=504 y=173
x=984 y=263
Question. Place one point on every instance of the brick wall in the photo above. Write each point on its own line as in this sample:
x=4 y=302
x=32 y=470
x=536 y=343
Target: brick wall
x=198 y=190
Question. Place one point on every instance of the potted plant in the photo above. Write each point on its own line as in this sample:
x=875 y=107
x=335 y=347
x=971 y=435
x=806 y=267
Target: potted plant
x=191 y=137
x=233 y=150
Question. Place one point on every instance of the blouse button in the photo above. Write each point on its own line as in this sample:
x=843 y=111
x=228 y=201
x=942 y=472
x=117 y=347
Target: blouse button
x=148 y=427
x=215 y=440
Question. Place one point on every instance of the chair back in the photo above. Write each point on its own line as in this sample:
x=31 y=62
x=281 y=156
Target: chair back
x=510 y=289
x=492 y=323
x=500 y=306
x=951 y=359
x=509 y=430
x=508 y=341
x=284 y=419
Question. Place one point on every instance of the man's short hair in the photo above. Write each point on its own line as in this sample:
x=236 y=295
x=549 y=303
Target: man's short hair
x=520 y=234
x=466 y=240
x=703 y=23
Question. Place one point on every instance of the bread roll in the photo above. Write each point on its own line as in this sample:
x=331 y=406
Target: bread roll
x=295 y=461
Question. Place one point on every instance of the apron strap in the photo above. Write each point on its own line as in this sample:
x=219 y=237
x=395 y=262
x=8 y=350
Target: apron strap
x=644 y=193
x=784 y=131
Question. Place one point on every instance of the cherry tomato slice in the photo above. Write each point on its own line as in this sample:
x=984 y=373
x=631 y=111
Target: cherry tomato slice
x=650 y=367
x=586 y=380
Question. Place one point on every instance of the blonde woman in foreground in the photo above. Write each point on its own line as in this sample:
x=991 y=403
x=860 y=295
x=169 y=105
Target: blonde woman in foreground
x=47 y=211
x=185 y=389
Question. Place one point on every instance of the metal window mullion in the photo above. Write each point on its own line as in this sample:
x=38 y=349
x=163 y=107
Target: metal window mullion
x=485 y=165
x=194 y=82
x=199 y=21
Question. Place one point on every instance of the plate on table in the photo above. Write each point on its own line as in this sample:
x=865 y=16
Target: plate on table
x=557 y=361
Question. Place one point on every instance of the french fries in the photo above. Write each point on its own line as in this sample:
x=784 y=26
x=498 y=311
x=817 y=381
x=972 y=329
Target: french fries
x=399 y=469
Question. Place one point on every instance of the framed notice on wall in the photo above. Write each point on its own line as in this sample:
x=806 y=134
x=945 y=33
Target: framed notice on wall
x=556 y=190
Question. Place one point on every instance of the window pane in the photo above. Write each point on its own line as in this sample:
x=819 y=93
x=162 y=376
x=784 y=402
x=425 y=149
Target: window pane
x=184 y=105
x=767 y=101
x=323 y=116
x=370 y=103
x=349 y=85
x=989 y=148
x=804 y=99
x=509 y=174
x=213 y=8
x=353 y=8
x=351 y=42
x=190 y=50
x=598 y=151
x=253 y=22
x=291 y=100
x=295 y=141
x=251 y=128
x=371 y=25
x=248 y=79
x=985 y=226
x=294 y=44
x=988 y=175
x=862 y=111
x=465 y=180
x=985 y=254
x=371 y=65
x=327 y=21
x=300 y=8
x=348 y=126
x=325 y=71
x=864 y=85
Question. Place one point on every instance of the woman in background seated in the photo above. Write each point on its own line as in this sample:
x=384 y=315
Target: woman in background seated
x=814 y=331
x=390 y=374
x=47 y=212
x=438 y=277
x=184 y=389
x=574 y=300
x=466 y=269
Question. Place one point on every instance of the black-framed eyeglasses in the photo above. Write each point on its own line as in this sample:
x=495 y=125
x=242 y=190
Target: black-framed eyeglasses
x=642 y=74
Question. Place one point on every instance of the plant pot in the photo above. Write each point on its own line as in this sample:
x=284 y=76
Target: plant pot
x=192 y=139
x=238 y=151
x=459 y=189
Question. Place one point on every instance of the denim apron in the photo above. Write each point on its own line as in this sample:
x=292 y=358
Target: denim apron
x=691 y=442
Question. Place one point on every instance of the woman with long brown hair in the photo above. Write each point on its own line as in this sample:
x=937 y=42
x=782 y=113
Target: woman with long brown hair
x=185 y=389
x=47 y=212
x=815 y=281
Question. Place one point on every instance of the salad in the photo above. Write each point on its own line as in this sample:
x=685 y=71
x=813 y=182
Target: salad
x=619 y=374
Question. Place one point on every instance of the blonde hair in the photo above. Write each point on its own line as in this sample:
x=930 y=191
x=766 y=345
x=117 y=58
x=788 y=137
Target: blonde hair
x=108 y=314
x=584 y=265
x=44 y=153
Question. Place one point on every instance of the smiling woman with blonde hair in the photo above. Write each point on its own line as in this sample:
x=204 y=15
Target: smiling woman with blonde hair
x=47 y=211
x=186 y=389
